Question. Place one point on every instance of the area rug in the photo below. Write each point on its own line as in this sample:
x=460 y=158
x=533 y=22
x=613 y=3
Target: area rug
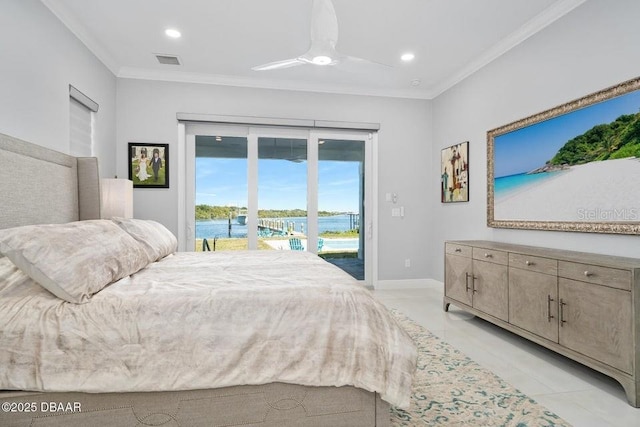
x=449 y=389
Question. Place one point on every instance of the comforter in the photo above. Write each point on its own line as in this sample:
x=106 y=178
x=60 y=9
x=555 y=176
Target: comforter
x=205 y=320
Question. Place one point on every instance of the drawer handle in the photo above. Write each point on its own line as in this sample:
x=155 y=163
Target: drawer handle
x=530 y=263
x=549 y=301
x=488 y=256
x=458 y=250
x=587 y=273
x=466 y=281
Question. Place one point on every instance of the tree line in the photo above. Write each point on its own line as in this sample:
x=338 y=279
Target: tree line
x=223 y=212
x=615 y=140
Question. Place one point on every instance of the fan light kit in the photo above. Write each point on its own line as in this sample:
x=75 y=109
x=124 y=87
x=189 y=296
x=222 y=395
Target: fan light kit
x=324 y=37
x=321 y=60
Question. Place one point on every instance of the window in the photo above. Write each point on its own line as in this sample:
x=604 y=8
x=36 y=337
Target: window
x=81 y=116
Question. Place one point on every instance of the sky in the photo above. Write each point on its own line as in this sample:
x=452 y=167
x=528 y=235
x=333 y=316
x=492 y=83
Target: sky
x=529 y=148
x=282 y=184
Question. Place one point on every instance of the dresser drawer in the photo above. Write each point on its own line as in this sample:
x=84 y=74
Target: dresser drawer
x=612 y=277
x=491 y=255
x=455 y=249
x=534 y=263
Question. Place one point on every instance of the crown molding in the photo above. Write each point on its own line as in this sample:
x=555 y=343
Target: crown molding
x=554 y=12
x=531 y=27
x=221 y=80
x=80 y=31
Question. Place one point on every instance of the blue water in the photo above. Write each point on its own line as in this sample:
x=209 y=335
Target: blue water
x=506 y=185
x=219 y=227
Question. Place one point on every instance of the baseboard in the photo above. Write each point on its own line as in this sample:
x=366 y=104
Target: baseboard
x=407 y=284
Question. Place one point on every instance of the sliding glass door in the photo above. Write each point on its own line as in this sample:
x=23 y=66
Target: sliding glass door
x=281 y=189
x=341 y=203
x=220 y=192
x=282 y=192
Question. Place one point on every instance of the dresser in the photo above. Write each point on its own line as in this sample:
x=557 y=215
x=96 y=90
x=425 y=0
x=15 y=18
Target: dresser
x=584 y=306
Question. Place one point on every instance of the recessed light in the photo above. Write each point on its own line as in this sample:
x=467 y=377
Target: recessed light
x=415 y=82
x=407 y=57
x=173 y=33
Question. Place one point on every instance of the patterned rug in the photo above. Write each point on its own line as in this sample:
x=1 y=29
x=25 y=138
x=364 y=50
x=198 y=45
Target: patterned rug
x=450 y=389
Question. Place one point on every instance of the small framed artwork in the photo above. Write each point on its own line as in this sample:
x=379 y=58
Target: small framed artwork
x=454 y=173
x=149 y=165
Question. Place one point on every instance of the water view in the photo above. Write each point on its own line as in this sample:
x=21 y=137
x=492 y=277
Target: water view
x=220 y=227
x=329 y=228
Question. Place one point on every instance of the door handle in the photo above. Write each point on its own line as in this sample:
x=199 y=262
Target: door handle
x=369 y=230
x=549 y=315
x=562 y=304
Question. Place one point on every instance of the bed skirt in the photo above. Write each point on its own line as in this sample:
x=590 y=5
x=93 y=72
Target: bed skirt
x=268 y=405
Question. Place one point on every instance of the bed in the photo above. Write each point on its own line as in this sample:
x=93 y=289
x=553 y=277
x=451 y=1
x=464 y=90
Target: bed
x=153 y=337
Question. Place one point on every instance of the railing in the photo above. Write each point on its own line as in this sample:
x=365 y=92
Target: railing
x=205 y=244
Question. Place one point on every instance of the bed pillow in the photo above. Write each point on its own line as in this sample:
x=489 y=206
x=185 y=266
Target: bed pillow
x=73 y=261
x=155 y=238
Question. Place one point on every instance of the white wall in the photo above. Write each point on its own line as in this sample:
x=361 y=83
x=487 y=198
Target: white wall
x=592 y=48
x=146 y=112
x=40 y=58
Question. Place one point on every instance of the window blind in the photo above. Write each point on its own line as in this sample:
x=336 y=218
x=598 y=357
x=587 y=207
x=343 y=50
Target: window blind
x=80 y=129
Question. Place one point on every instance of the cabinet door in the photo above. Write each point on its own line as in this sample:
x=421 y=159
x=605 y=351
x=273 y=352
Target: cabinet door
x=533 y=302
x=597 y=322
x=490 y=289
x=455 y=278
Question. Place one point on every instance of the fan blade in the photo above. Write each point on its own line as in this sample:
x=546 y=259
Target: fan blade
x=324 y=22
x=355 y=64
x=287 y=63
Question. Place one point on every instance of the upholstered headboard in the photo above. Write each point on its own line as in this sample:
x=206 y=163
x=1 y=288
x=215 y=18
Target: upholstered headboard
x=39 y=185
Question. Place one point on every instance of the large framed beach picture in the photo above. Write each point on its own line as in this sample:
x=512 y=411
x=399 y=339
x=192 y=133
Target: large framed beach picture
x=454 y=173
x=149 y=165
x=575 y=167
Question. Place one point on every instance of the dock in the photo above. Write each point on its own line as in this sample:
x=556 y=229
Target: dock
x=279 y=227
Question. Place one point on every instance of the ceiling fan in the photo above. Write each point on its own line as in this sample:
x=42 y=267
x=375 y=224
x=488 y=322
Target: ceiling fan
x=324 y=36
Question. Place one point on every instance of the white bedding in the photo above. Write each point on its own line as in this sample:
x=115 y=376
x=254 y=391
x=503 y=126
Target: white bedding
x=205 y=320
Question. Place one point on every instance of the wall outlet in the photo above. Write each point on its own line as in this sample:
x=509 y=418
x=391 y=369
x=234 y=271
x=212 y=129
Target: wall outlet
x=407 y=262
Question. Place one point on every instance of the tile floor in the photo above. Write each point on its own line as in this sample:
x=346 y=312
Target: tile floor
x=583 y=397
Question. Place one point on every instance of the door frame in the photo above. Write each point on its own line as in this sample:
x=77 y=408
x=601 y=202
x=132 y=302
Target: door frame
x=187 y=132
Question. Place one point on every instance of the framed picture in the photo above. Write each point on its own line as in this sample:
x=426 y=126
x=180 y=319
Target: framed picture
x=575 y=167
x=454 y=173
x=149 y=165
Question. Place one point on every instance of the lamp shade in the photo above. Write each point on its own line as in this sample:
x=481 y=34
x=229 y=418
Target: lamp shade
x=117 y=198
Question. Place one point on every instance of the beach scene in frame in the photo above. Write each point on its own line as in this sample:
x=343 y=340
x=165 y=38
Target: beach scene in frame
x=454 y=178
x=580 y=167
